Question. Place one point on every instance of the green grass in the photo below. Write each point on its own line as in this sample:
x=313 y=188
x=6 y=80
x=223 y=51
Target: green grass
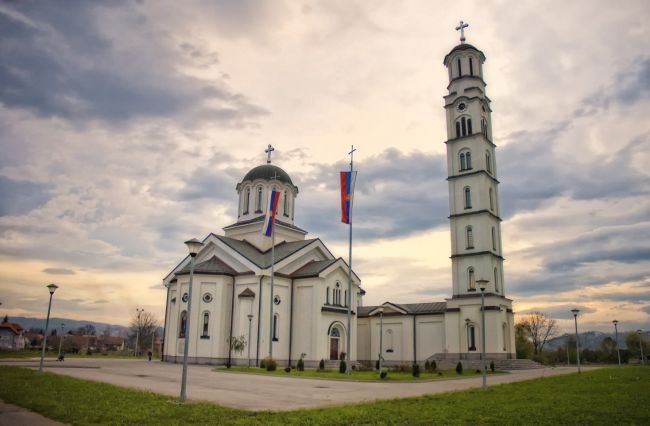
x=604 y=396
x=393 y=376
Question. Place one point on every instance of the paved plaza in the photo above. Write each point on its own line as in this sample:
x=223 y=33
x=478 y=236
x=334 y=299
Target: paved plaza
x=262 y=392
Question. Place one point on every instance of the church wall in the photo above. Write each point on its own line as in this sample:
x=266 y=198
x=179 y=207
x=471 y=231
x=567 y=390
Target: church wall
x=244 y=307
x=303 y=320
x=363 y=339
x=430 y=335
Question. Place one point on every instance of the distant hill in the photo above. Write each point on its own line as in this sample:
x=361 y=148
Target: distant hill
x=70 y=325
x=589 y=340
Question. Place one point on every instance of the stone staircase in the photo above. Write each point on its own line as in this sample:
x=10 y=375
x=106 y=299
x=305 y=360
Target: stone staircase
x=499 y=364
x=516 y=364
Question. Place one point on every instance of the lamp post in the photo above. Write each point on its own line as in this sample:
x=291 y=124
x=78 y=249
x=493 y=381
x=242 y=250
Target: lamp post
x=381 y=338
x=575 y=318
x=61 y=341
x=250 y=322
x=137 y=331
x=482 y=284
x=568 y=360
x=641 y=346
x=193 y=246
x=618 y=351
x=51 y=288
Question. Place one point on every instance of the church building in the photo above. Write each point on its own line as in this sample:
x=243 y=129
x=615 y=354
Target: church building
x=232 y=274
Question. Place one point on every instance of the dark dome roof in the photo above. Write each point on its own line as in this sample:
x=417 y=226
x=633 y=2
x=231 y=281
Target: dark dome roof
x=268 y=172
x=463 y=46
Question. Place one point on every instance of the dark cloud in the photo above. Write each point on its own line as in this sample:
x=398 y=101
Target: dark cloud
x=646 y=309
x=20 y=197
x=58 y=271
x=62 y=62
x=631 y=86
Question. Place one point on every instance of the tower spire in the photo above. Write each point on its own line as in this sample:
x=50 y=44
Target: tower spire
x=461 y=28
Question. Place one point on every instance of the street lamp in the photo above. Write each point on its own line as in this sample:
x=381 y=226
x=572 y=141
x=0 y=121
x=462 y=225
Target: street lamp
x=482 y=284
x=137 y=331
x=575 y=318
x=51 y=288
x=641 y=346
x=568 y=360
x=618 y=351
x=250 y=322
x=61 y=342
x=381 y=338
x=193 y=246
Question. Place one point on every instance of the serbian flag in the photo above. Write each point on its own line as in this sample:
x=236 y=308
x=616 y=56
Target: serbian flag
x=348 y=180
x=274 y=199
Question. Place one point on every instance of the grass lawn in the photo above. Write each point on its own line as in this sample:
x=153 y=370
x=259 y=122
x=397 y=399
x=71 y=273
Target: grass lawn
x=605 y=396
x=393 y=376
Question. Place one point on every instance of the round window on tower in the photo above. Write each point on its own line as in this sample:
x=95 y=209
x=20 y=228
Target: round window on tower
x=207 y=298
x=185 y=297
x=276 y=299
x=461 y=107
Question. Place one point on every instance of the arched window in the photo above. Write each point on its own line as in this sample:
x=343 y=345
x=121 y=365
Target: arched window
x=345 y=298
x=471 y=338
x=276 y=325
x=484 y=126
x=389 y=340
x=463 y=126
x=468 y=160
x=488 y=162
x=463 y=164
x=491 y=199
x=337 y=294
x=182 y=325
x=471 y=67
x=469 y=126
x=458 y=134
x=460 y=69
x=247 y=200
x=468 y=197
x=327 y=296
x=496 y=280
x=469 y=237
x=206 y=325
x=494 y=239
x=471 y=281
x=258 y=200
x=285 y=208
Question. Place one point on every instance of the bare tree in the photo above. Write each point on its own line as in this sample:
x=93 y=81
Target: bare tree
x=540 y=328
x=143 y=327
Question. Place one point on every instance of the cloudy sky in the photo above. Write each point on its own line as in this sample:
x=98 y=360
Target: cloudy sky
x=125 y=126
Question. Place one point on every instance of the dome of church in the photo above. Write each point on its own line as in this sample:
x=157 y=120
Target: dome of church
x=267 y=172
x=463 y=46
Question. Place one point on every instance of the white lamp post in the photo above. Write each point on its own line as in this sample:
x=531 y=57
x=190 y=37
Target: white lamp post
x=61 y=341
x=250 y=322
x=137 y=331
x=381 y=338
x=575 y=318
x=618 y=351
x=641 y=346
x=193 y=246
x=51 y=288
x=566 y=337
x=482 y=284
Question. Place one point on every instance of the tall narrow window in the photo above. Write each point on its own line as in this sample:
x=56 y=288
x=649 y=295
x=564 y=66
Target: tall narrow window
x=468 y=198
x=463 y=166
x=468 y=158
x=182 y=325
x=484 y=127
x=285 y=202
x=275 y=327
x=496 y=280
x=337 y=294
x=458 y=134
x=345 y=298
x=494 y=239
x=327 y=296
x=460 y=70
x=488 y=162
x=469 y=237
x=206 y=325
x=463 y=126
x=469 y=126
x=258 y=200
x=471 y=67
x=491 y=196
x=247 y=200
x=471 y=281
x=471 y=338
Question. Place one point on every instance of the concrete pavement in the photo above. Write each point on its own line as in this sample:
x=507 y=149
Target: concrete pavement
x=11 y=415
x=263 y=392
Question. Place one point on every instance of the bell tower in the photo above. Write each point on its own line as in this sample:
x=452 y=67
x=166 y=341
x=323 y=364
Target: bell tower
x=472 y=175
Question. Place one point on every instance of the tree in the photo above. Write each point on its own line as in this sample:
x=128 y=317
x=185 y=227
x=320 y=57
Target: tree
x=237 y=344
x=632 y=340
x=143 y=327
x=539 y=328
x=522 y=344
x=5 y=319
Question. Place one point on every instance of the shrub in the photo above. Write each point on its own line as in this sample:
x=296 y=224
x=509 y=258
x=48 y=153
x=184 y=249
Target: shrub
x=301 y=365
x=434 y=366
x=459 y=368
x=321 y=365
x=271 y=364
x=440 y=373
x=227 y=365
x=427 y=366
x=342 y=367
x=383 y=374
x=416 y=370
x=492 y=366
x=377 y=365
x=287 y=370
x=263 y=363
x=478 y=371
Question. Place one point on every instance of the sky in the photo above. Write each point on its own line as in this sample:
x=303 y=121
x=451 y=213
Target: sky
x=126 y=125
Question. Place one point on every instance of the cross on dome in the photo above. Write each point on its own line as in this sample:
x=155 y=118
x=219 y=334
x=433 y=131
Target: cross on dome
x=268 y=151
x=461 y=27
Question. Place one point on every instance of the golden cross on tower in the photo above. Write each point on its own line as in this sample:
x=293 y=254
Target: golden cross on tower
x=268 y=151
x=462 y=27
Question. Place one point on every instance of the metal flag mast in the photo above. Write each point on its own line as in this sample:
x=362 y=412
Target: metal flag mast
x=349 y=301
x=271 y=296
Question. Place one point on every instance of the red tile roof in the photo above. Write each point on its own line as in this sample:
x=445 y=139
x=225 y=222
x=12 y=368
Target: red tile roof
x=16 y=328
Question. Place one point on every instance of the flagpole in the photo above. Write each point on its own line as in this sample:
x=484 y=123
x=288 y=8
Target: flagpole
x=271 y=292
x=349 y=301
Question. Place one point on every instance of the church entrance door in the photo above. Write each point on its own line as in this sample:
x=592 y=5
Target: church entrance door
x=334 y=348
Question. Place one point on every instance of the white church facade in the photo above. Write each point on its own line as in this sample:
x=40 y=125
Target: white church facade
x=232 y=274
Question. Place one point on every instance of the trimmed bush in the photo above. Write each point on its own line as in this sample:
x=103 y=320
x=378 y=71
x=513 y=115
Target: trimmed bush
x=301 y=365
x=416 y=370
x=271 y=364
x=440 y=373
x=434 y=366
x=427 y=366
x=478 y=371
x=492 y=366
x=377 y=365
x=263 y=363
x=383 y=374
x=321 y=365
x=287 y=370
x=342 y=367
x=459 y=368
